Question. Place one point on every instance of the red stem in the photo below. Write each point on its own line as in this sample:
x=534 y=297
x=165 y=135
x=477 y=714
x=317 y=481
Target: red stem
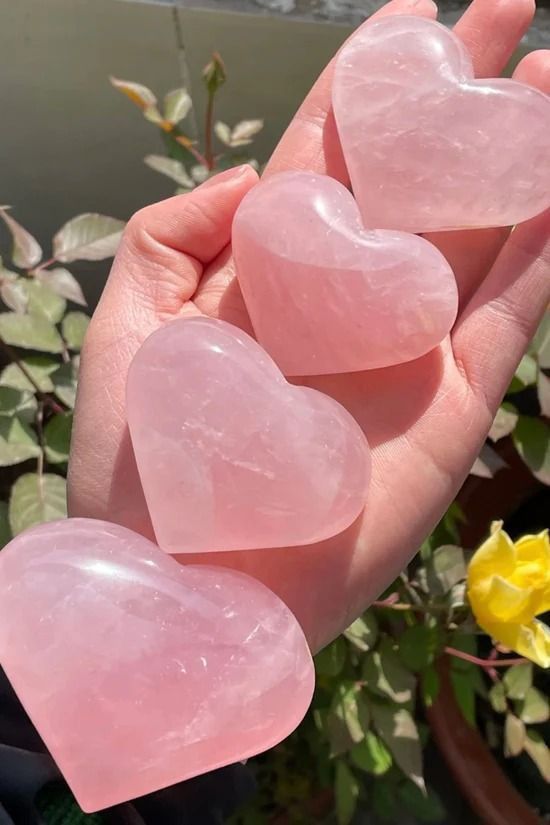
x=485 y=663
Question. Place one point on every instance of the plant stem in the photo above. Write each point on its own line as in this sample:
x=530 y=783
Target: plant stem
x=485 y=663
x=208 y=131
x=42 y=266
x=391 y=604
x=47 y=399
x=39 y=422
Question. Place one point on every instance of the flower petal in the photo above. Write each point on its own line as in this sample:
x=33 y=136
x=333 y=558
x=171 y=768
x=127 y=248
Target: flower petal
x=496 y=556
x=507 y=603
x=530 y=640
x=534 y=549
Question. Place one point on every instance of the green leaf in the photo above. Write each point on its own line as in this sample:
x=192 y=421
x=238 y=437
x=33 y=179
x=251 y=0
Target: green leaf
x=173 y=169
x=177 y=105
x=445 y=569
x=363 y=633
x=538 y=751
x=14 y=295
x=18 y=442
x=65 y=380
x=525 y=375
x=532 y=440
x=383 y=796
x=43 y=302
x=330 y=660
x=424 y=806
x=29 y=332
x=534 y=708
x=541 y=342
x=418 y=646
x=543 y=392
x=517 y=680
x=88 y=237
x=141 y=95
x=346 y=792
x=35 y=499
x=398 y=730
x=385 y=675
x=57 y=438
x=17 y=402
x=514 y=735
x=504 y=422
x=63 y=283
x=348 y=718
x=223 y=132
x=74 y=328
x=466 y=678
x=39 y=367
x=430 y=686
x=26 y=249
x=5 y=532
x=371 y=755
x=497 y=698
x=488 y=463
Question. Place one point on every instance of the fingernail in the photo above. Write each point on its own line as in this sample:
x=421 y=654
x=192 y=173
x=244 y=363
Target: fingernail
x=230 y=174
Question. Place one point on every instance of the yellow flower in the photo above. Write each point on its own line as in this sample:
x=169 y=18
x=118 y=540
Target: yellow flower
x=508 y=585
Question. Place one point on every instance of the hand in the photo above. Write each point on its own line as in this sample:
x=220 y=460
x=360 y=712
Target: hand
x=425 y=420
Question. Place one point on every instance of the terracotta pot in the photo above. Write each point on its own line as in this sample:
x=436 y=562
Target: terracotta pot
x=486 y=499
x=474 y=768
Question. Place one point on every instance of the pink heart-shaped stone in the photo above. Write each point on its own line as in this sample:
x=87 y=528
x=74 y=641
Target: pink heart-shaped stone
x=428 y=147
x=139 y=672
x=230 y=455
x=324 y=294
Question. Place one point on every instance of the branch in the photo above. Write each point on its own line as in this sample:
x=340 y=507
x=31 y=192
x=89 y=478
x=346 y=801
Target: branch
x=47 y=399
x=485 y=663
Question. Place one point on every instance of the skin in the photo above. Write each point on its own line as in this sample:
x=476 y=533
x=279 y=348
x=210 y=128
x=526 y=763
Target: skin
x=425 y=420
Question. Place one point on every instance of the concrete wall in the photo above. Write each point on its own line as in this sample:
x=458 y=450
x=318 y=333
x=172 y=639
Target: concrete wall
x=69 y=143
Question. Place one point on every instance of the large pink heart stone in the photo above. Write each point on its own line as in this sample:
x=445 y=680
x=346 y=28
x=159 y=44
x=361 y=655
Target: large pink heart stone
x=230 y=455
x=427 y=146
x=326 y=295
x=139 y=672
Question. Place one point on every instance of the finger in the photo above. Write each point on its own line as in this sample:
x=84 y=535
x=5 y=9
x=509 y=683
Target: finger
x=157 y=267
x=311 y=141
x=534 y=70
x=491 y=30
x=503 y=315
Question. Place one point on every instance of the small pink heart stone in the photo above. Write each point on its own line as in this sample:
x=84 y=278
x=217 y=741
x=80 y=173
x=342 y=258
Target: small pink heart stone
x=428 y=147
x=326 y=295
x=139 y=672
x=230 y=455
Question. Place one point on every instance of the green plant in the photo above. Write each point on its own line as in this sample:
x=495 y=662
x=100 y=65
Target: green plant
x=524 y=413
x=40 y=338
x=362 y=743
x=185 y=162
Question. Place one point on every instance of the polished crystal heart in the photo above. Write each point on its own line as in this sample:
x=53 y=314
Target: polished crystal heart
x=230 y=455
x=428 y=147
x=326 y=295
x=139 y=672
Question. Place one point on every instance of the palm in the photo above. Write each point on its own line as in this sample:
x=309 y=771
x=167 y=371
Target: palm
x=425 y=420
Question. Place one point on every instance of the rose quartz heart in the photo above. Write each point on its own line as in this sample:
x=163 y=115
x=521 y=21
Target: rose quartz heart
x=230 y=455
x=324 y=294
x=139 y=672
x=427 y=146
